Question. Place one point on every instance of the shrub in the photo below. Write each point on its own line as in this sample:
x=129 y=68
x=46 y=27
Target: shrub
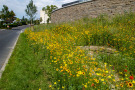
x=23 y=23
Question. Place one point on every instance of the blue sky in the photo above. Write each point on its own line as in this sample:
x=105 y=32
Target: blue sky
x=19 y=6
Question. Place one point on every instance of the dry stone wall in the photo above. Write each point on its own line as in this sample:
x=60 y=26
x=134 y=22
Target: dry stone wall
x=92 y=9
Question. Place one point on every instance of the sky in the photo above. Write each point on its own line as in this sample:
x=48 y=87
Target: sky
x=19 y=6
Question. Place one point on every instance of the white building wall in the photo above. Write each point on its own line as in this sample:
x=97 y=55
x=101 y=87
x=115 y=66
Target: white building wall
x=43 y=16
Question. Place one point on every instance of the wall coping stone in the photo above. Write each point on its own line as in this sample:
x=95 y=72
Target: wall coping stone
x=73 y=5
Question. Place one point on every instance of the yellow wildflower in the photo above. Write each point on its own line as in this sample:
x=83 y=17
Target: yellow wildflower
x=102 y=79
x=121 y=85
x=133 y=81
x=86 y=32
x=106 y=71
x=114 y=80
x=85 y=86
x=63 y=87
x=55 y=83
x=57 y=69
x=50 y=86
x=109 y=76
x=130 y=84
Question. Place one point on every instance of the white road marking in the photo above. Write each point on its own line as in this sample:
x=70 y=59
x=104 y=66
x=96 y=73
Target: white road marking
x=2 y=29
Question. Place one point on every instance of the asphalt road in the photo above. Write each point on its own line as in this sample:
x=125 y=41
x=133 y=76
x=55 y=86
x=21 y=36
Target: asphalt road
x=7 y=41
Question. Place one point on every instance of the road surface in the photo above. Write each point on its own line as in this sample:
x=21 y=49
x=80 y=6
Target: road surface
x=7 y=41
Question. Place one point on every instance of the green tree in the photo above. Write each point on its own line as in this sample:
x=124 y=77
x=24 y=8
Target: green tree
x=17 y=20
x=48 y=10
x=31 y=10
x=23 y=19
x=11 y=16
x=40 y=19
x=6 y=15
x=37 y=21
x=26 y=20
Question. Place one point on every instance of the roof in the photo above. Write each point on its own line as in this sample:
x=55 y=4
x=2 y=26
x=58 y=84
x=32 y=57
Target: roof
x=67 y=4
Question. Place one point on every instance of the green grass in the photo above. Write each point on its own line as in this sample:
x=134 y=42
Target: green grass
x=25 y=70
x=118 y=61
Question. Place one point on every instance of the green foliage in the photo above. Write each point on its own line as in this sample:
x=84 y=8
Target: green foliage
x=20 y=24
x=23 y=23
x=31 y=10
x=13 y=25
x=17 y=20
x=24 y=70
x=41 y=19
x=5 y=12
x=48 y=10
x=119 y=61
x=48 y=20
x=11 y=16
x=1 y=23
x=23 y=19
x=7 y=16
x=36 y=22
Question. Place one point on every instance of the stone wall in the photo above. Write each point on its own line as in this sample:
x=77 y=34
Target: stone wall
x=92 y=9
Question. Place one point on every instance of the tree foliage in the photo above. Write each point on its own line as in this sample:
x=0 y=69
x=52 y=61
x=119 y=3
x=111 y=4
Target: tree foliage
x=12 y=16
x=31 y=10
x=48 y=10
x=6 y=15
x=23 y=19
x=40 y=19
x=17 y=20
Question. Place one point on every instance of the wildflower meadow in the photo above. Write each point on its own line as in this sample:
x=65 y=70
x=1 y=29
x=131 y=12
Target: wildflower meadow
x=73 y=68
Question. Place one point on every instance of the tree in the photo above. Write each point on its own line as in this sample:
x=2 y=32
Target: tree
x=37 y=21
x=23 y=19
x=11 y=16
x=17 y=20
x=48 y=10
x=26 y=19
x=31 y=10
x=40 y=19
x=6 y=15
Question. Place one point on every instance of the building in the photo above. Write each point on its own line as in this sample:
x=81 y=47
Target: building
x=43 y=16
x=75 y=2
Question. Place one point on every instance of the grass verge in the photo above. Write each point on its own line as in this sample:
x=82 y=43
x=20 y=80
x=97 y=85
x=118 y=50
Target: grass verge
x=24 y=70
